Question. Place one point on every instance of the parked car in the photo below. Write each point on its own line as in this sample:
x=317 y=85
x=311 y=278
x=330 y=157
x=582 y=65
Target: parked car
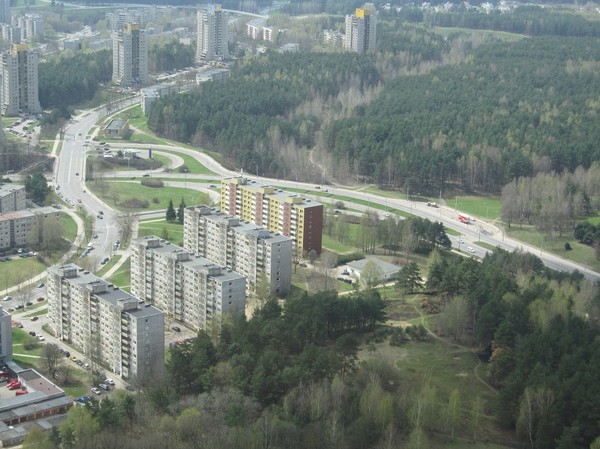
x=104 y=387
x=35 y=318
x=67 y=354
x=96 y=390
x=7 y=298
x=176 y=328
x=41 y=338
x=471 y=250
x=40 y=299
x=40 y=285
x=33 y=334
x=109 y=381
x=106 y=259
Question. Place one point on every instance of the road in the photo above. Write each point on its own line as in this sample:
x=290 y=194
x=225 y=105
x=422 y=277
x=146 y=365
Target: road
x=69 y=178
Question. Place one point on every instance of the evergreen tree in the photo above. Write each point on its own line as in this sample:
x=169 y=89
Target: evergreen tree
x=180 y=212
x=171 y=215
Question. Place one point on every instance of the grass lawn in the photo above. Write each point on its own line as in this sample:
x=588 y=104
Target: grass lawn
x=555 y=244
x=158 y=198
x=192 y=164
x=108 y=265
x=487 y=208
x=163 y=229
x=122 y=277
x=340 y=248
x=39 y=312
x=19 y=270
x=69 y=227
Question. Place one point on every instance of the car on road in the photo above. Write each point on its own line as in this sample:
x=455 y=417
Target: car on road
x=96 y=390
x=146 y=175
x=79 y=200
x=40 y=285
x=101 y=212
x=176 y=328
x=76 y=173
x=95 y=236
x=40 y=299
x=109 y=381
x=471 y=250
x=99 y=216
x=35 y=318
x=7 y=298
x=459 y=240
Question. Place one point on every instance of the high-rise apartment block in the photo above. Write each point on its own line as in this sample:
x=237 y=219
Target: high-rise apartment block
x=5 y=336
x=292 y=215
x=254 y=252
x=189 y=288
x=19 y=81
x=12 y=198
x=107 y=324
x=130 y=56
x=31 y=25
x=212 y=34
x=361 y=29
x=4 y=11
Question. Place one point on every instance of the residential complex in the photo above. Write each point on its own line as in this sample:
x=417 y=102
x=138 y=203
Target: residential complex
x=361 y=29
x=5 y=336
x=212 y=34
x=19 y=74
x=189 y=288
x=107 y=324
x=252 y=251
x=12 y=198
x=30 y=25
x=130 y=56
x=289 y=214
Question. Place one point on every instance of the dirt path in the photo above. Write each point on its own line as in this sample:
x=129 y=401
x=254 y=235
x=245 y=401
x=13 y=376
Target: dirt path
x=459 y=348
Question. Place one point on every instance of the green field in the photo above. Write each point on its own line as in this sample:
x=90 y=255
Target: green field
x=122 y=277
x=69 y=227
x=192 y=163
x=487 y=208
x=168 y=231
x=108 y=265
x=123 y=191
x=19 y=270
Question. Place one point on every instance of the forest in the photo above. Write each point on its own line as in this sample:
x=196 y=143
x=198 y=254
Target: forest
x=289 y=377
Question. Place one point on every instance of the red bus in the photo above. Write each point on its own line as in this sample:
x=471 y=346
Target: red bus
x=464 y=219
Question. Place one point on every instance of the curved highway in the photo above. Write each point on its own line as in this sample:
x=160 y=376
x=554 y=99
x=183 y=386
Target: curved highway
x=72 y=159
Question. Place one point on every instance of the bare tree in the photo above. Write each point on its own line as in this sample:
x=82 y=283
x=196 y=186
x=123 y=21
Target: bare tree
x=52 y=359
x=328 y=262
x=125 y=223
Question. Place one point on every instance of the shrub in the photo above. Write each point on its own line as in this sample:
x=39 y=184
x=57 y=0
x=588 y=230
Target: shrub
x=156 y=200
x=183 y=169
x=134 y=203
x=154 y=183
x=568 y=246
x=345 y=258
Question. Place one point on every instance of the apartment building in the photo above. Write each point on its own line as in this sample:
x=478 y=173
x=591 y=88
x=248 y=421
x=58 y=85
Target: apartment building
x=254 y=252
x=286 y=213
x=361 y=29
x=107 y=324
x=19 y=72
x=333 y=38
x=212 y=40
x=5 y=336
x=12 y=198
x=188 y=288
x=31 y=25
x=4 y=11
x=130 y=56
x=16 y=227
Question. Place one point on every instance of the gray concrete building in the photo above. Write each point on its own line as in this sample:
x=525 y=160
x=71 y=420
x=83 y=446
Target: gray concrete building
x=188 y=288
x=212 y=40
x=252 y=251
x=12 y=198
x=130 y=56
x=361 y=29
x=110 y=326
x=5 y=336
x=4 y=11
x=19 y=72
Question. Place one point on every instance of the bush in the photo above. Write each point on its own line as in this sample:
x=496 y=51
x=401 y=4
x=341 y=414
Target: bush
x=134 y=203
x=345 y=258
x=154 y=183
x=30 y=345
x=183 y=169
x=156 y=200
x=568 y=246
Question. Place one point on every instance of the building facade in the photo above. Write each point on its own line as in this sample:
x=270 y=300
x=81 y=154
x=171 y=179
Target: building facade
x=31 y=26
x=5 y=336
x=12 y=198
x=19 y=81
x=212 y=40
x=5 y=11
x=188 y=288
x=259 y=255
x=130 y=56
x=110 y=326
x=361 y=29
x=292 y=215
x=16 y=227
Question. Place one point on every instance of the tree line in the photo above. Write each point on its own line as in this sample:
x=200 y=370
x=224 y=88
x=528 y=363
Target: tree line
x=538 y=330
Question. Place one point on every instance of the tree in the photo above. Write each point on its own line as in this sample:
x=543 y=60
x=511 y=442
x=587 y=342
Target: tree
x=371 y=275
x=409 y=278
x=476 y=414
x=346 y=348
x=171 y=215
x=36 y=187
x=453 y=411
x=52 y=359
x=125 y=223
x=180 y=211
